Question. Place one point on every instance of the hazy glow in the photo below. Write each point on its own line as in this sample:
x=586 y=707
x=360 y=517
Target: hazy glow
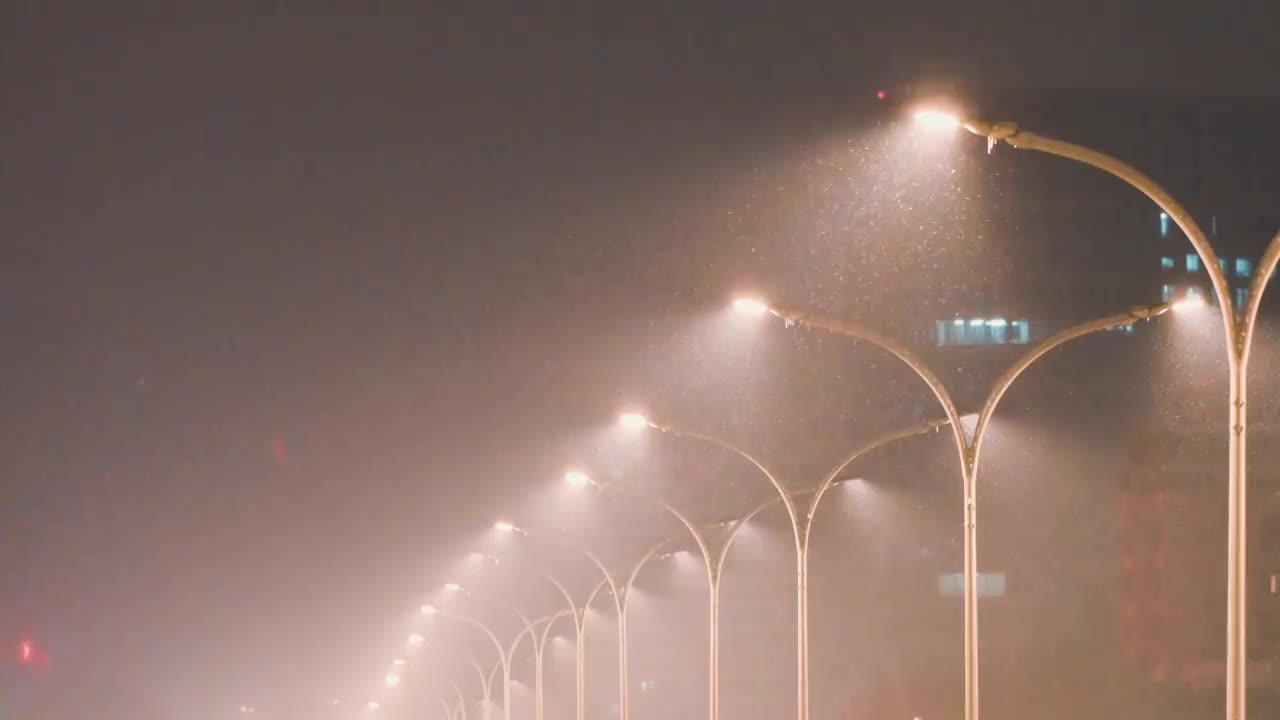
x=1190 y=301
x=416 y=639
x=750 y=306
x=633 y=421
x=934 y=119
x=393 y=680
x=577 y=478
x=398 y=662
x=452 y=587
x=428 y=610
x=373 y=705
x=504 y=526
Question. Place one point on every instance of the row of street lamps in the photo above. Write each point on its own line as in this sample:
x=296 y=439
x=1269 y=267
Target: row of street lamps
x=968 y=445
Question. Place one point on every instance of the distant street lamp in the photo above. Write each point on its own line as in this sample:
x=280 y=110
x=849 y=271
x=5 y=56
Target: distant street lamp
x=1239 y=328
x=488 y=632
x=580 y=479
x=619 y=606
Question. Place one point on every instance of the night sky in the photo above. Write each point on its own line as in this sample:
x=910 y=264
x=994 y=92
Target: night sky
x=295 y=298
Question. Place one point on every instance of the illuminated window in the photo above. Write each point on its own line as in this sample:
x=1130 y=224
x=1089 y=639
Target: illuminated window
x=1242 y=298
x=1166 y=293
x=982 y=331
x=988 y=585
x=1021 y=332
x=1164 y=224
x=1193 y=262
x=1166 y=263
x=1244 y=268
x=1122 y=329
x=998 y=329
x=1222 y=263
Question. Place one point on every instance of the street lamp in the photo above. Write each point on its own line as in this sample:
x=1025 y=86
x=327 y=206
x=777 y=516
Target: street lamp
x=788 y=503
x=1239 y=330
x=633 y=421
x=579 y=479
x=619 y=606
x=497 y=644
x=750 y=306
x=392 y=680
x=967 y=446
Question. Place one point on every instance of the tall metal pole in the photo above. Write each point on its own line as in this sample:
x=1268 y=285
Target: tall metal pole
x=1239 y=336
x=966 y=448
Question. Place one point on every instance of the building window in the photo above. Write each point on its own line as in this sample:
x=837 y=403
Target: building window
x=1166 y=293
x=1222 y=263
x=1164 y=224
x=1122 y=329
x=1244 y=267
x=988 y=585
x=1166 y=263
x=1193 y=262
x=998 y=329
x=1022 y=332
x=1242 y=298
x=982 y=331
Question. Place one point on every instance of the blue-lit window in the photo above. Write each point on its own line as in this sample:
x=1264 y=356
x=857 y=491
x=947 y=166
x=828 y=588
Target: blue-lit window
x=1122 y=329
x=1166 y=293
x=1193 y=262
x=1167 y=263
x=1021 y=332
x=987 y=585
x=998 y=329
x=982 y=331
x=1164 y=224
x=1222 y=263
x=1242 y=298
x=1244 y=267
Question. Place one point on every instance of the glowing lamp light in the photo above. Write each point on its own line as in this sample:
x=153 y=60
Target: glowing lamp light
x=415 y=639
x=750 y=306
x=373 y=705
x=881 y=94
x=633 y=421
x=504 y=526
x=932 y=119
x=398 y=662
x=26 y=652
x=428 y=610
x=1190 y=301
x=452 y=587
x=393 y=680
x=577 y=478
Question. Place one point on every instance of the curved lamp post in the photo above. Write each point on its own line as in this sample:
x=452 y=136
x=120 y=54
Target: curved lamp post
x=619 y=606
x=967 y=450
x=576 y=478
x=503 y=658
x=1239 y=330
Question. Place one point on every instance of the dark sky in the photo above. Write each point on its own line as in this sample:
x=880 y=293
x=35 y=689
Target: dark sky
x=290 y=295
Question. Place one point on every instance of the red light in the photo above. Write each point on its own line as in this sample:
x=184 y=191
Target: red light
x=880 y=94
x=26 y=653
